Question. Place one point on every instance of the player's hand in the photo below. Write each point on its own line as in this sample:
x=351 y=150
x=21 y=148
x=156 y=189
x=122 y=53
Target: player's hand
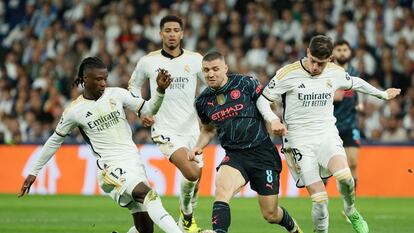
x=278 y=128
x=26 y=185
x=163 y=80
x=147 y=121
x=193 y=153
x=392 y=93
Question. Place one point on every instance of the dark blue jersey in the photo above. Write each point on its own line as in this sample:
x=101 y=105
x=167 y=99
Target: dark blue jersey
x=344 y=111
x=232 y=109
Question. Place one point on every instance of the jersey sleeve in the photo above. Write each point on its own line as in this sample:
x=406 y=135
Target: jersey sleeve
x=277 y=86
x=129 y=101
x=199 y=104
x=255 y=88
x=344 y=80
x=137 y=78
x=66 y=124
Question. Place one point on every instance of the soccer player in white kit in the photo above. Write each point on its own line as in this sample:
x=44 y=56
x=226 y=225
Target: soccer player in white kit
x=175 y=128
x=311 y=144
x=100 y=116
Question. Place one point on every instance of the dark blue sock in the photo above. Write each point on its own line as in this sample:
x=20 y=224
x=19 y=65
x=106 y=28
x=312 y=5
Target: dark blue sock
x=287 y=221
x=221 y=217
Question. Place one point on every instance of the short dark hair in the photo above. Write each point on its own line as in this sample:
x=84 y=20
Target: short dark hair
x=211 y=56
x=342 y=42
x=171 y=18
x=321 y=46
x=88 y=63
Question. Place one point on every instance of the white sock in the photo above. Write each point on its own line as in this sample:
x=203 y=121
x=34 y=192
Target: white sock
x=132 y=230
x=186 y=195
x=347 y=189
x=320 y=214
x=194 y=199
x=158 y=214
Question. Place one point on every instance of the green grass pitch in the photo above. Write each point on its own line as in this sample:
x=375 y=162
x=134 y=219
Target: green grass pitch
x=90 y=214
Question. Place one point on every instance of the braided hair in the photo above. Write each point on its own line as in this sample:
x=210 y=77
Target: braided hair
x=87 y=63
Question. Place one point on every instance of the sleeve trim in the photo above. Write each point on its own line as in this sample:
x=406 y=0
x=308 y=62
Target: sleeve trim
x=60 y=134
x=140 y=108
x=266 y=97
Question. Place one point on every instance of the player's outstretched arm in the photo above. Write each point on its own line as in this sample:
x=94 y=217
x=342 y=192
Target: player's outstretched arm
x=48 y=150
x=263 y=105
x=361 y=85
x=208 y=131
x=152 y=106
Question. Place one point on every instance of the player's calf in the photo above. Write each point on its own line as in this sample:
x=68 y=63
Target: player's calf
x=287 y=221
x=221 y=218
x=282 y=217
x=320 y=214
x=347 y=189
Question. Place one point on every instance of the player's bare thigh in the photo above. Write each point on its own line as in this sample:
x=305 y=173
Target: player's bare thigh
x=190 y=169
x=229 y=181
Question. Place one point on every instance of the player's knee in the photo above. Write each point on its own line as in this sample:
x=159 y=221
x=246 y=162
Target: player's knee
x=271 y=216
x=223 y=192
x=140 y=191
x=353 y=164
x=192 y=175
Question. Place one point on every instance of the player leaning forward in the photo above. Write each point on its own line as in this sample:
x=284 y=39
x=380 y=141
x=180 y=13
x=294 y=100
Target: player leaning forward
x=99 y=114
x=312 y=146
x=229 y=107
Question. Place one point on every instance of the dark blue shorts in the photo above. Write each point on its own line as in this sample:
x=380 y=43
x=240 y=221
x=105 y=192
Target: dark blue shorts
x=260 y=165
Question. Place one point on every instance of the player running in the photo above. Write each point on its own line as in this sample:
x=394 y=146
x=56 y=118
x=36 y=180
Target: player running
x=176 y=127
x=100 y=116
x=312 y=147
x=229 y=106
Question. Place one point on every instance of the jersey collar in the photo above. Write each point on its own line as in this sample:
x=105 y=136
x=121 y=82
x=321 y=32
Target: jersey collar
x=167 y=55
x=221 y=89
x=303 y=66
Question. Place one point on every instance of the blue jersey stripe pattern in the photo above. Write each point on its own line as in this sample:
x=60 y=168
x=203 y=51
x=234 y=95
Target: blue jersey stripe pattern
x=232 y=109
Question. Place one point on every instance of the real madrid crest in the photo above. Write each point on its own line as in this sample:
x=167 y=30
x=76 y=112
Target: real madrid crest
x=112 y=103
x=187 y=69
x=220 y=99
x=329 y=83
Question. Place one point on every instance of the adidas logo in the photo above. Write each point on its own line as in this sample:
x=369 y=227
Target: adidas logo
x=301 y=86
x=88 y=114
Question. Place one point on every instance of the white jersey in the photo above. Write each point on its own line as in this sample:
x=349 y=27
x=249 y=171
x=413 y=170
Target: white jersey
x=177 y=114
x=103 y=123
x=308 y=100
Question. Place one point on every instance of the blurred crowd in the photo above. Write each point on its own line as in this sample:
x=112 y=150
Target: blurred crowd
x=42 y=43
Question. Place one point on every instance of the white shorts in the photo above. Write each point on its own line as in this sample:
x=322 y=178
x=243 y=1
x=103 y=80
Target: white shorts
x=168 y=144
x=119 y=180
x=308 y=160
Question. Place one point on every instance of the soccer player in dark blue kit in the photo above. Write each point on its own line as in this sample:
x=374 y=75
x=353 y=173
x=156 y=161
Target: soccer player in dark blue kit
x=229 y=107
x=345 y=108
